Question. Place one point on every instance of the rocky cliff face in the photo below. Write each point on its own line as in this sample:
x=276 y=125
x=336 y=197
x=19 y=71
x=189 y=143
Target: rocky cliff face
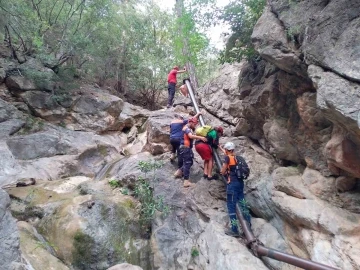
x=294 y=116
x=301 y=104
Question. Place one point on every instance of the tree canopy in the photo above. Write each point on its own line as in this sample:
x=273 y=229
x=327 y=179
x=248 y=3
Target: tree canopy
x=131 y=44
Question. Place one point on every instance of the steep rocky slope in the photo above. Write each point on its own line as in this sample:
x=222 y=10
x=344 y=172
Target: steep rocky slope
x=294 y=116
x=301 y=104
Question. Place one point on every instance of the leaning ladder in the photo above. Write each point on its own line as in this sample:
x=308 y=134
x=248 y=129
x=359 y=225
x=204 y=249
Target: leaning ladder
x=258 y=249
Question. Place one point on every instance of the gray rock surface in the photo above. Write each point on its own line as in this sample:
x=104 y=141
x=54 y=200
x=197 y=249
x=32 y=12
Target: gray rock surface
x=125 y=266
x=338 y=98
x=43 y=151
x=92 y=230
x=10 y=243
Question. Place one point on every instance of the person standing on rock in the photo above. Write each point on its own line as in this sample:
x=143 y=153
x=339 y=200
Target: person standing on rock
x=186 y=153
x=176 y=135
x=234 y=189
x=172 y=83
x=205 y=150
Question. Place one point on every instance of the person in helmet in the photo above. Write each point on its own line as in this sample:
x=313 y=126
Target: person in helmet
x=172 y=83
x=205 y=150
x=186 y=153
x=234 y=189
x=176 y=134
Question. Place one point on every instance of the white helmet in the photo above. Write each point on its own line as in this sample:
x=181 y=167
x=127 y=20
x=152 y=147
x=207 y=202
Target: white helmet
x=229 y=146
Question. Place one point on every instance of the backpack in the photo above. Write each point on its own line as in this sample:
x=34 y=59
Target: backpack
x=203 y=131
x=241 y=168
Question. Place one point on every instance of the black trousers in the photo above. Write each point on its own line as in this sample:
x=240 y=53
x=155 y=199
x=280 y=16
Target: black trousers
x=175 y=143
x=171 y=91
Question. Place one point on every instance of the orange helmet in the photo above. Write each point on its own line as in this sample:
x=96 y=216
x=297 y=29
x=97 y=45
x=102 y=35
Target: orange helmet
x=176 y=67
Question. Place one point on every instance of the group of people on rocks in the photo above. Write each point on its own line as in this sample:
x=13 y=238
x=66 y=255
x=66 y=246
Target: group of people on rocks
x=183 y=138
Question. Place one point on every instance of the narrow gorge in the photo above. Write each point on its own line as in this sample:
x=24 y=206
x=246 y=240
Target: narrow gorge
x=72 y=166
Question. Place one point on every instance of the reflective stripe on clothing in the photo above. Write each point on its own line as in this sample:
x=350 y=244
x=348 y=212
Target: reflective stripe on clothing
x=187 y=155
x=186 y=141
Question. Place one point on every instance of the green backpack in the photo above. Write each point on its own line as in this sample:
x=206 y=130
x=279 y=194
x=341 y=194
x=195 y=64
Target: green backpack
x=203 y=131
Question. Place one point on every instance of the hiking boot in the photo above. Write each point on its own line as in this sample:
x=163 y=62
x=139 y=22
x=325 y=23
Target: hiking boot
x=230 y=232
x=187 y=183
x=204 y=176
x=178 y=174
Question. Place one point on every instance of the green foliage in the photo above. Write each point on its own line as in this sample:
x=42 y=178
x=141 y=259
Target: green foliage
x=241 y=16
x=293 y=32
x=41 y=79
x=244 y=206
x=114 y=183
x=125 y=191
x=144 y=193
x=128 y=45
x=194 y=252
x=32 y=125
x=148 y=166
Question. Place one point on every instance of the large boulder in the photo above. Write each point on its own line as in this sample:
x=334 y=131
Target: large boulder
x=217 y=96
x=97 y=111
x=282 y=198
x=44 y=105
x=326 y=31
x=44 y=151
x=343 y=154
x=269 y=39
x=36 y=250
x=337 y=97
x=86 y=224
x=158 y=132
x=132 y=115
x=19 y=84
x=332 y=37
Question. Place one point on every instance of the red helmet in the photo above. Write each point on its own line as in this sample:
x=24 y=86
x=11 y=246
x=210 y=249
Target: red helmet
x=220 y=130
x=193 y=120
x=176 y=67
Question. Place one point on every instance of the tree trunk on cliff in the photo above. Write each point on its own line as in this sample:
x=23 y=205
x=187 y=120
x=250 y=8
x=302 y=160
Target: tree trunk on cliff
x=185 y=49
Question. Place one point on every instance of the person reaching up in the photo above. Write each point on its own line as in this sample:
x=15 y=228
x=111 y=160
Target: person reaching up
x=172 y=83
x=186 y=153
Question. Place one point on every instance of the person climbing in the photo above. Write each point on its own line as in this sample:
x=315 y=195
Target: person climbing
x=176 y=134
x=235 y=187
x=205 y=150
x=172 y=83
x=186 y=153
x=183 y=89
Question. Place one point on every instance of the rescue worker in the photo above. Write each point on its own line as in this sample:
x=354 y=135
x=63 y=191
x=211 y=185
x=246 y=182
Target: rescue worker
x=234 y=189
x=176 y=134
x=205 y=150
x=186 y=153
x=172 y=83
